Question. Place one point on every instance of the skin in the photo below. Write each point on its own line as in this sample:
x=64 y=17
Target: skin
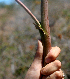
x=51 y=70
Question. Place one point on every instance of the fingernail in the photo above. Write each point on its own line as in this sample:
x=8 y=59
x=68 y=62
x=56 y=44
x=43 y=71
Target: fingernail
x=47 y=60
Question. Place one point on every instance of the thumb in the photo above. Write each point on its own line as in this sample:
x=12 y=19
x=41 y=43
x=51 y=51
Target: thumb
x=34 y=70
x=37 y=63
x=39 y=51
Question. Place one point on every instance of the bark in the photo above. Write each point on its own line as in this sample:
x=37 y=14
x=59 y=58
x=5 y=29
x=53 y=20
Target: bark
x=46 y=39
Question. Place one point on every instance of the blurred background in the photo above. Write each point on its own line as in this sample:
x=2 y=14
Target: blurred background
x=18 y=35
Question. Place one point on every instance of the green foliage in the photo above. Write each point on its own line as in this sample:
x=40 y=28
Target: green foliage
x=20 y=70
x=30 y=0
x=66 y=14
x=11 y=6
x=2 y=5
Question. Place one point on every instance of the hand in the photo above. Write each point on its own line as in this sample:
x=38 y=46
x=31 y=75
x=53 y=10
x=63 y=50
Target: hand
x=51 y=70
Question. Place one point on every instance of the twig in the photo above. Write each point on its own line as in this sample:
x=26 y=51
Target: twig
x=28 y=11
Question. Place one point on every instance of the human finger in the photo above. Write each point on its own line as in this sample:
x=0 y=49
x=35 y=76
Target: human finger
x=39 y=51
x=37 y=63
x=51 y=67
x=52 y=55
x=56 y=75
x=34 y=70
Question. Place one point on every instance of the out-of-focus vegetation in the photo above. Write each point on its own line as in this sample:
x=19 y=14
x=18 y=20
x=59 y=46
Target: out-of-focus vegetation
x=18 y=36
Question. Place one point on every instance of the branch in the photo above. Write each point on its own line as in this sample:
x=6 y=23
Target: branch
x=46 y=40
x=43 y=27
